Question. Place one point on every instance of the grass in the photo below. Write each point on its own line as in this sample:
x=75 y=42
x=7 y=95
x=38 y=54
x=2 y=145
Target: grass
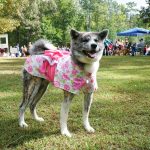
x=120 y=111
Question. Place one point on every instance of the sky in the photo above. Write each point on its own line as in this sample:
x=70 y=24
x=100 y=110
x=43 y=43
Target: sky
x=139 y=3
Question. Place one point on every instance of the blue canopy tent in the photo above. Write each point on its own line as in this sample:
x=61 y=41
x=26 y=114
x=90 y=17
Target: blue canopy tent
x=134 y=32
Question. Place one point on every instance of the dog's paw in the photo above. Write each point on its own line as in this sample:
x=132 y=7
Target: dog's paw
x=39 y=119
x=23 y=125
x=89 y=129
x=66 y=133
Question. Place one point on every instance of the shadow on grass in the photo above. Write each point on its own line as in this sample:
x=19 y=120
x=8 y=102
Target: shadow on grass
x=12 y=135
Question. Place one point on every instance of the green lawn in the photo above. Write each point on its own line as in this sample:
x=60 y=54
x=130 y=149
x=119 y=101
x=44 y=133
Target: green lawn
x=120 y=112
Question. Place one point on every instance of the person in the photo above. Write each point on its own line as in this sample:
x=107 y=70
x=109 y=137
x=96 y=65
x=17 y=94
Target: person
x=147 y=50
x=140 y=46
x=133 y=48
x=25 y=51
x=126 y=43
x=129 y=45
x=6 y=54
x=119 y=44
x=2 y=50
x=29 y=45
x=17 y=46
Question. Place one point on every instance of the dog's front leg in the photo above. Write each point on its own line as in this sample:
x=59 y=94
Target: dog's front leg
x=64 y=113
x=95 y=81
x=88 y=97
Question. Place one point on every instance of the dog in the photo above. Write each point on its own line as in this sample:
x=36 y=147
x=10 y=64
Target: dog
x=121 y=52
x=86 y=53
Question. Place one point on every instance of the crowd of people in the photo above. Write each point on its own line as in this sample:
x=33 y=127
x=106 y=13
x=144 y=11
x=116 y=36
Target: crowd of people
x=118 y=47
x=24 y=50
x=124 y=47
x=16 y=51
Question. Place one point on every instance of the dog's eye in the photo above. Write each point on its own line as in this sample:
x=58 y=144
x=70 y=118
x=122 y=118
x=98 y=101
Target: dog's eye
x=85 y=40
x=96 y=40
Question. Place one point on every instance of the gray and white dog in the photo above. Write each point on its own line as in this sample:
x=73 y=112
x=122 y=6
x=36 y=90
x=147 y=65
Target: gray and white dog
x=86 y=52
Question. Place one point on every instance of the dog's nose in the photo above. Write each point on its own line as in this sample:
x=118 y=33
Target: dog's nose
x=93 y=46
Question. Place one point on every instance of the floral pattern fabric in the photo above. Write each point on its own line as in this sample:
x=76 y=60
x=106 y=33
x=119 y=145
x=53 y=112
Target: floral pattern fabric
x=61 y=71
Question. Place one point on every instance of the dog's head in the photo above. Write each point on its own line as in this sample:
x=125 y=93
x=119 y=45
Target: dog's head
x=87 y=47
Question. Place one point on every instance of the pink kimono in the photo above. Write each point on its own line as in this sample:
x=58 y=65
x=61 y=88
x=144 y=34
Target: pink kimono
x=58 y=68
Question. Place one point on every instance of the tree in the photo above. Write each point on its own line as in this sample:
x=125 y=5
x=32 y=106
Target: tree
x=30 y=15
x=116 y=20
x=53 y=19
x=9 y=15
x=131 y=12
x=30 y=21
x=145 y=14
x=56 y=25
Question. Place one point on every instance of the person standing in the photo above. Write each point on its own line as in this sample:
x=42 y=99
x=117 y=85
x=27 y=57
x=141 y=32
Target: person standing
x=133 y=48
x=17 y=54
x=140 y=46
x=29 y=45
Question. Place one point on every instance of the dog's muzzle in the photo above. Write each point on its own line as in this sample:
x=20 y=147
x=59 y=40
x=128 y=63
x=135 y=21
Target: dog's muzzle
x=91 y=54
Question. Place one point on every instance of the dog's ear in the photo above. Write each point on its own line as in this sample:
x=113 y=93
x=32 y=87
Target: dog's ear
x=103 y=34
x=74 y=34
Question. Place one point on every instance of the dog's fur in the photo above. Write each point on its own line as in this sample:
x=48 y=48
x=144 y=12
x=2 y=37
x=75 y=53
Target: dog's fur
x=122 y=52
x=87 y=49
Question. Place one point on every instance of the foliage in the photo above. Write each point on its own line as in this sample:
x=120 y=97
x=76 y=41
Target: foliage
x=29 y=20
x=116 y=24
x=8 y=16
x=8 y=24
x=145 y=14
x=120 y=111
x=145 y=19
x=61 y=20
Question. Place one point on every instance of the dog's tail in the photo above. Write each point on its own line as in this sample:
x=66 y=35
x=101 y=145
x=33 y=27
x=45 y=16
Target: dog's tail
x=40 y=46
